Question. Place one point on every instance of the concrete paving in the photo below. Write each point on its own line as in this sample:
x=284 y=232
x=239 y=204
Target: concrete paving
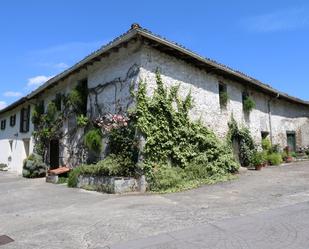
x=267 y=209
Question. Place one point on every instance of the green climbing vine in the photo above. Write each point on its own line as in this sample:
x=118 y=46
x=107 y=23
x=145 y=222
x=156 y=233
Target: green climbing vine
x=177 y=149
x=245 y=141
x=49 y=123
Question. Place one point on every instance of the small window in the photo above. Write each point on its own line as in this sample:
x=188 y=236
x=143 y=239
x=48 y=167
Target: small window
x=223 y=96
x=3 y=124
x=13 y=120
x=24 y=119
x=264 y=134
x=57 y=101
x=40 y=108
x=245 y=95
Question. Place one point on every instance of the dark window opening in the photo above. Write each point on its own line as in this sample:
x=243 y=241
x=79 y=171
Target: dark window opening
x=13 y=120
x=264 y=134
x=58 y=101
x=3 y=124
x=40 y=108
x=245 y=95
x=25 y=119
x=223 y=96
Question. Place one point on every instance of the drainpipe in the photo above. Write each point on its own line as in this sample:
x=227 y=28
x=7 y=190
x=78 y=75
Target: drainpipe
x=269 y=117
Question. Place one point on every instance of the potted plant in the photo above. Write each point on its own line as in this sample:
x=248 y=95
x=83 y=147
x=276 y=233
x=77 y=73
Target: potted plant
x=258 y=160
x=287 y=155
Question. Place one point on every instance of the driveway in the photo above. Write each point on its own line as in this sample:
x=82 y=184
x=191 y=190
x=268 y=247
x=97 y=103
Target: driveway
x=267 y=209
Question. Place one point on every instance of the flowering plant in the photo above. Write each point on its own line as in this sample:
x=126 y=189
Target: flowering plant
x=111 y=121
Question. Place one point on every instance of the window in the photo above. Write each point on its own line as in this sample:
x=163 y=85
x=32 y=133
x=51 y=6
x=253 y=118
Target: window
x=40 y=108
x=223 y=96
x=25 y=119
x=245 y=96
x=13 y=120
x=3 y=124
x=58 y=101
x=264 y=134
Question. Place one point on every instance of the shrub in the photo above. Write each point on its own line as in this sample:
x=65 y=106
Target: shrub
x=173 y=139
x=275 y=148
x=248 y=104
x=246 y=143
x=112 y=165
x=224 y=98
x=93 y=140
x=3 y=166
x=266 y=144
x=82 y=120
x=293 y=154
x=258 y=159
x=275 y=158
x=34 y=167
x=166 y=177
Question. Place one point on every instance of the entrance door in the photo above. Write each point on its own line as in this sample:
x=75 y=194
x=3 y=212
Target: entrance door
x=291 y=140
x=54 y=154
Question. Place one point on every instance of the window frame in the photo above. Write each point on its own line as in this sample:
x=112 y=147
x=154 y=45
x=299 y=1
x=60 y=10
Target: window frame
x=3 y=124
x=222 y=88
x=13 y=120
x=25 y=119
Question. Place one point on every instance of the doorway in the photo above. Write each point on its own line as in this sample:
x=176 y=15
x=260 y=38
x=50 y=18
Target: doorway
x=291 y=140
x=54 y=154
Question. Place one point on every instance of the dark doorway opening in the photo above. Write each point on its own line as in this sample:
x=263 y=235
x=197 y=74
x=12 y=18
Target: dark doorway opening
x=54 y=154
x=291 y=140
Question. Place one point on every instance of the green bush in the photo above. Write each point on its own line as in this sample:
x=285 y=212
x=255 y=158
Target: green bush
x=275 y=158
x=266 y=144
x=93 y=140
x=247 y=146
x=173 y=139
x=82 y=120
x=34 y=167
x=112 y=165
x=166 y=177
x=259 y=158
x=248 y=104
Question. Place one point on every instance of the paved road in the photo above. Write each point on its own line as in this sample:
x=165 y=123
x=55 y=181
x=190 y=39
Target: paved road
x=286 y=227
x=267 y=209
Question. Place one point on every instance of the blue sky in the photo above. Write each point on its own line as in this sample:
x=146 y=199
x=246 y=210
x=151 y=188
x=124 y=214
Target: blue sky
x=268 y=40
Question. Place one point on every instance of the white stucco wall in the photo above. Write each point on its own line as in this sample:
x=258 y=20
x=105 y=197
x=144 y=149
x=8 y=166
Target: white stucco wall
x=18 y=151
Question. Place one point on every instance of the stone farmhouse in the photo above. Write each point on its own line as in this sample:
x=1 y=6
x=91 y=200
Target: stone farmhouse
x=111 y=72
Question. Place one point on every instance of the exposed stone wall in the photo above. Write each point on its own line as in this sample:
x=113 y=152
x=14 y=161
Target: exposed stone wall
x=111 y=80
x=204 y=87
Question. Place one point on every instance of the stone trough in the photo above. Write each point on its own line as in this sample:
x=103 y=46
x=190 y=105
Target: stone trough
x=113 y=185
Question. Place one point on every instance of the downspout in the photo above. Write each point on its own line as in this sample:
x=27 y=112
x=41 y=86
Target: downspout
x=269 y=117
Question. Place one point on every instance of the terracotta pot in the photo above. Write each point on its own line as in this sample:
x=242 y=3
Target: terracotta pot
x=258 y=167
x=289 y=159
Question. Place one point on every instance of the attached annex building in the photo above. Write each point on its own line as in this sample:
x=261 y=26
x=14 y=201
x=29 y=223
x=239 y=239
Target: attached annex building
x=116 y=68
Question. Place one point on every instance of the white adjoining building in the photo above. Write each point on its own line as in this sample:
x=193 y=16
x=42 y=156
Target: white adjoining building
x=117 y=67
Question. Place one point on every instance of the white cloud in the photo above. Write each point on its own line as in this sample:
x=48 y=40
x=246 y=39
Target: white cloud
x=280 y=20
x=2 y=104
x=12 y=94
x=38 y=80
x=61 y=65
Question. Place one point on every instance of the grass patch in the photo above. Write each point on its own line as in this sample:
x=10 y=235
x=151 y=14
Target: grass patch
x=62 y=180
